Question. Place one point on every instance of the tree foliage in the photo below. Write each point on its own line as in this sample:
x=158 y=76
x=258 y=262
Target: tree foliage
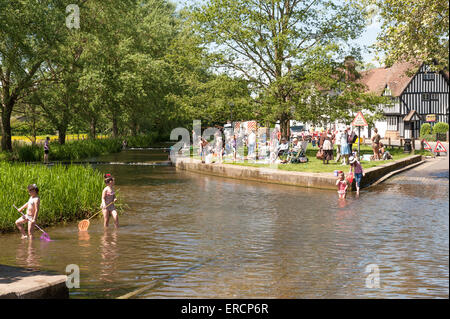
x=414 y=30
x=284 y=49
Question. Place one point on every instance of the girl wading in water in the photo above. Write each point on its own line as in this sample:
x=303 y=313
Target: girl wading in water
x=108 y=197
x=32 y=207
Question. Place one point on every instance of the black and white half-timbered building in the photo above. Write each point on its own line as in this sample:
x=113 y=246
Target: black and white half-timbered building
x=417 y=95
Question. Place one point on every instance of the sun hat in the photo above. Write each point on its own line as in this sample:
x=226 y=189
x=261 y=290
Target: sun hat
x=352 y=159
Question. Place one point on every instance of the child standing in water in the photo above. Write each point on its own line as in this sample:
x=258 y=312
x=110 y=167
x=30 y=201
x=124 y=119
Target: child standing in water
x=32 y=207
x=356 y=165
x=342 y=185
x=108 y=198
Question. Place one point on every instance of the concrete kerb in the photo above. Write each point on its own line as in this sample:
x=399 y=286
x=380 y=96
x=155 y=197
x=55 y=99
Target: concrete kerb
x=302 y=179
x=21 y=283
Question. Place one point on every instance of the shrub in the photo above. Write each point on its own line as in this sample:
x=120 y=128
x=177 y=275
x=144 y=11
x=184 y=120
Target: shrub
x=146 y=140
x=440 y=127
x=425 y=129
x=72 y=150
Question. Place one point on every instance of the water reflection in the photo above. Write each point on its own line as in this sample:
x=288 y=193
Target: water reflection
x=109 y=256
x=27 y=256
x=264 y=240
x=83 y=239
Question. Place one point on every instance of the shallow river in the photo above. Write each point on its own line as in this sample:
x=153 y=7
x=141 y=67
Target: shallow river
x=186 y=235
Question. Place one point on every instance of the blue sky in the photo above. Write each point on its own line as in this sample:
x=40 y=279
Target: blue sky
x=367 y=39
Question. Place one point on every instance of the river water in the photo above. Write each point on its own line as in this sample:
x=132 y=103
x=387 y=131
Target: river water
x=186 y=235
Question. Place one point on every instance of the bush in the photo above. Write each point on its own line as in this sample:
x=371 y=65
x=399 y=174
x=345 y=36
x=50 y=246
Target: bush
x=72 y=150
x=67 y=192
x=425 y=129
x=440 y=127
x=428 y=137
x=146 y=140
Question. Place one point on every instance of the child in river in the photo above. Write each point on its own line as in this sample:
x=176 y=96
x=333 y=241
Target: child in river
x=358 y=171
x=32 y=207
x=342 y=185
x=108 y=199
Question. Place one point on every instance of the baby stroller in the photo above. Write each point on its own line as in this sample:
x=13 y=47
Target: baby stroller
x=300 y=157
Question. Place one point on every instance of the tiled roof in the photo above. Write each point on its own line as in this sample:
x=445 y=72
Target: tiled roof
x=396 y=77
x=410 y=116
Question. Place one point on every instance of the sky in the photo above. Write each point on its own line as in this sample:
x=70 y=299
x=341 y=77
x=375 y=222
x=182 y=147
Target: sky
x=367 y=39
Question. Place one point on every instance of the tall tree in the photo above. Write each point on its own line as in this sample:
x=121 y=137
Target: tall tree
x=29 y=32
x=265 y=40
x=414 y=30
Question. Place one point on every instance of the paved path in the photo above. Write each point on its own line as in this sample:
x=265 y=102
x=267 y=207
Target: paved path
x=433 y=171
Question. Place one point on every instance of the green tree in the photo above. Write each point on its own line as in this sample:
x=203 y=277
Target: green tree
x=414 y=30
x=267 y=41
x=440 y=127
x=29 y=33
x=425 y=129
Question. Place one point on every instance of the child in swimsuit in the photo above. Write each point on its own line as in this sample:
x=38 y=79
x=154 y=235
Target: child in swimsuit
x=32 y=207
x=108 y=199
x=342 y=185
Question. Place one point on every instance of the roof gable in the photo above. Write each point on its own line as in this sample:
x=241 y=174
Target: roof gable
x=396 y=78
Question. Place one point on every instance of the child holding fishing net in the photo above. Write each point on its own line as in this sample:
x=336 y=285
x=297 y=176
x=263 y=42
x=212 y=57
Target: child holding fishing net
x=108 y=199
x=32 y=207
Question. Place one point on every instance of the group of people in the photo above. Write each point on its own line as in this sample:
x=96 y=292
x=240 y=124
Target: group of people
x=343 y=139
x=33 y=204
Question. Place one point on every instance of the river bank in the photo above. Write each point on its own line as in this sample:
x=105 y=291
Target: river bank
x=190 y=235
x=67 y=192
x=325 y=180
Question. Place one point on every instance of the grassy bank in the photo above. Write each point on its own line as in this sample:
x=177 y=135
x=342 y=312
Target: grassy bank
x=67 y=192
x=74 y=149
x=316 y=166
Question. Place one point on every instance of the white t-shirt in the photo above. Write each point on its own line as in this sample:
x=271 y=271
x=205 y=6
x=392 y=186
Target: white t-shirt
x=252 y=138
x=337 y=139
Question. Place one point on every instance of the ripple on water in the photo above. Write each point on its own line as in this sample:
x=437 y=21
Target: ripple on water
x=192 y=236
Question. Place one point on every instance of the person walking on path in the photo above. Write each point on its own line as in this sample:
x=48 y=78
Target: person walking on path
x=46 y=149
x=32 y=207
x=357 y=173
x=109 y=197
x=376 y=144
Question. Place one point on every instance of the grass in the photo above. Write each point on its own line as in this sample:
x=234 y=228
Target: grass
x=315 y=165
x=73 y=149
x=67 y=192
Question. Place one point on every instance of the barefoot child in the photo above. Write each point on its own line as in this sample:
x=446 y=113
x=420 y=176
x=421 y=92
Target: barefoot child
x=355 y=164
x=342 y=185
x=32 y=207
x=108 y=197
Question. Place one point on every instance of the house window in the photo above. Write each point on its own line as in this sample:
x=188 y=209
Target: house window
x=430 y=97
x=428 y=76
x=387 y=92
